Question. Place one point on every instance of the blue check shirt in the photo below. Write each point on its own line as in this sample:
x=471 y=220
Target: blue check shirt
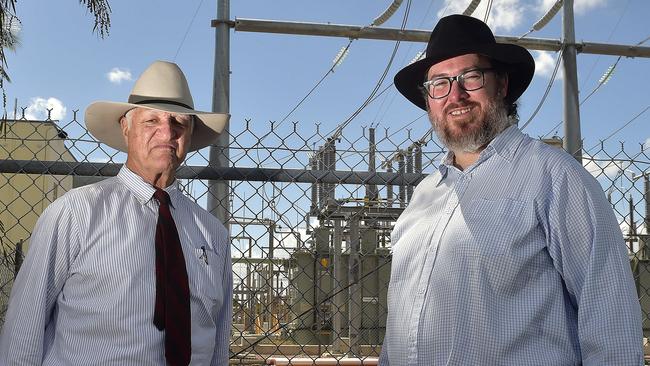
x=518 y=260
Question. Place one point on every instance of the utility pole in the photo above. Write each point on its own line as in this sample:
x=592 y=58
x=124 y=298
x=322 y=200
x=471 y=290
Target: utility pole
x=219 y=191
x=572 y=141
x=572 y=137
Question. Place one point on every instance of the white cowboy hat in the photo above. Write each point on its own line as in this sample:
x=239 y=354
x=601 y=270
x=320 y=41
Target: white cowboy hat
x=162 y=86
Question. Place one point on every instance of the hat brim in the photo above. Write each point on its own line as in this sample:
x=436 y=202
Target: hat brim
x=103 y=117
x=521 y=68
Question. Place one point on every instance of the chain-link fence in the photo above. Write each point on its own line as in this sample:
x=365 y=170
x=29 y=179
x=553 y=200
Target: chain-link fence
x=310 y=216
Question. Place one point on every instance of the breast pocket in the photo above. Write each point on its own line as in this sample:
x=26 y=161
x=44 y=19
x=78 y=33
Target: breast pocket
x=208 y=279
x=495 y=225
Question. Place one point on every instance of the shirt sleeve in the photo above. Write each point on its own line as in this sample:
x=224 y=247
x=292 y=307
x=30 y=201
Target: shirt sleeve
x=587 y=247
x=224 y=318
x=383 y=356
x=30 y=319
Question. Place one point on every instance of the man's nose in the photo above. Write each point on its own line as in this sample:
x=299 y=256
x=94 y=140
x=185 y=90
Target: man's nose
x=166 y=128
x=457 y=93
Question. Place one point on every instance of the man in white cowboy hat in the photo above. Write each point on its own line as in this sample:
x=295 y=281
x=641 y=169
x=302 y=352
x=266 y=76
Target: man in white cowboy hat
x=509 y=254
x=129 y=271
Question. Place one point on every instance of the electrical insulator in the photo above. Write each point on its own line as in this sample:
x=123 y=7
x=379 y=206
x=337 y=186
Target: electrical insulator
x=343 y=53
x=387 y=13
x=471 y=7
x=548 y=16
x=607 y=75
x=418 y=57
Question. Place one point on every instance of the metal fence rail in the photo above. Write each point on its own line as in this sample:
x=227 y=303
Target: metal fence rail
x=310 y=221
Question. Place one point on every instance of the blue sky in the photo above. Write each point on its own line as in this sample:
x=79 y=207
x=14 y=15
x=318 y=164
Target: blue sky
x=60 y=62
x=59 y=57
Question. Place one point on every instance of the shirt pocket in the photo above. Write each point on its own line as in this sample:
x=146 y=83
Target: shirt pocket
x=495 y=226
x=208 y=278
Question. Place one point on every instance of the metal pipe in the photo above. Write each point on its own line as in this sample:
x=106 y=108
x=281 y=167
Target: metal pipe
x=410 y=35
x=321 y=186
x=354 y=291
x=371 y=189
x=270 y=272
x=389 y=187
x=646 y=197
x=337 y=281
x=409 y=169
x=331 y=166
x=313 y=165
x=572 y=139
x=401 y=168
x=207 y=173
x=219 y=191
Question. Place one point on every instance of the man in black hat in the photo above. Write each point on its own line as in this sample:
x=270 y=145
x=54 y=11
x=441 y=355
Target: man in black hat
x=509 y=254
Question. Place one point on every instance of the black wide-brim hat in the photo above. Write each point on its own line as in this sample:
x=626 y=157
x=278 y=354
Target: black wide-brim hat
x=457 y=35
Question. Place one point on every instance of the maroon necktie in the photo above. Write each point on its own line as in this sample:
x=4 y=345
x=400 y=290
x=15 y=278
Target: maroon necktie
x=172 y=311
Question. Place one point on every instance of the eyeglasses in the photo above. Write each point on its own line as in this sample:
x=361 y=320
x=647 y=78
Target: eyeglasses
x=469 y=80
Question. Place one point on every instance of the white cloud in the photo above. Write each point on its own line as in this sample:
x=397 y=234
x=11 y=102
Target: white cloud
x=38 y=109
x=505 y=15
x=612 y=169
x=580 y=7
x=117 y=75
x=545 y=63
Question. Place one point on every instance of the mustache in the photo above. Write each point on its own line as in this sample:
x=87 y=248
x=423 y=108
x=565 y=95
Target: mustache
x=448 y=108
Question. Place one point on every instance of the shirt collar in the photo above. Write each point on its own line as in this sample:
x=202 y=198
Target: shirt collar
x=507 y=142
x=505 y=145
x=142 y=190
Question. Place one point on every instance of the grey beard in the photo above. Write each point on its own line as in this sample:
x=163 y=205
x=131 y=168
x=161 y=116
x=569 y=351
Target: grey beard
x=496 y=120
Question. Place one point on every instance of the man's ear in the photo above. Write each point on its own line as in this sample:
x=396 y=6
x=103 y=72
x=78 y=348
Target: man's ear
x=125 y=129
x=503 y=85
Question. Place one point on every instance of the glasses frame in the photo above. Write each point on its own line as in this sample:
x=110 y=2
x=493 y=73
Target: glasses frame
x=459 y=79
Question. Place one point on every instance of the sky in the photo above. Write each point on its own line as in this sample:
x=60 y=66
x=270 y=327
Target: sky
x=62 y=64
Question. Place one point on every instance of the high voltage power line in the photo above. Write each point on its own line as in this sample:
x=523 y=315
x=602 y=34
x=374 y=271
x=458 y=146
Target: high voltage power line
x=339 y=129
x=344 y=52
x=603 y=80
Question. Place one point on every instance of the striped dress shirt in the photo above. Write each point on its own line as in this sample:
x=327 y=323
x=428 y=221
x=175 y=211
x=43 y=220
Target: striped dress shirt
x=86 y=291
x=517 y=260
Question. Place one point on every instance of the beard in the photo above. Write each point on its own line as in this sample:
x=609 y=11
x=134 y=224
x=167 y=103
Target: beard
x=473 y=138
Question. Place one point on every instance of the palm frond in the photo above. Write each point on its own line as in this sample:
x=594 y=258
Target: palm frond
x=101 y=9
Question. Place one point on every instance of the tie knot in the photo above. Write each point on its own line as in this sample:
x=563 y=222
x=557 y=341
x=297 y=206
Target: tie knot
x=161 y=196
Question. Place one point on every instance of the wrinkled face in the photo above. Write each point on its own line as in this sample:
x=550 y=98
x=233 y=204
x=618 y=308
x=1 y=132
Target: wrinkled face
x=468 y=120
x=157 y=141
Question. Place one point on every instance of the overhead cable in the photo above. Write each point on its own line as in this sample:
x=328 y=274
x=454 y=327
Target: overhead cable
x=548 y=88
x=626 y=124
x=337 y=61
x=543 y=21
x=335 y=134
x=613 y=31
x=342 y=54
x=602 y=81
x=487 y=11
x=189 y=26
x=420 y=55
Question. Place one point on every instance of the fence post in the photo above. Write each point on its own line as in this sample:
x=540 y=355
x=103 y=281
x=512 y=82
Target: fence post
x=371 y=189
x=337 y=281
x=401 y=170
x=18 y=258
x=313 y=165
x=354 y=291
x=409 y=169
x=389 y=187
